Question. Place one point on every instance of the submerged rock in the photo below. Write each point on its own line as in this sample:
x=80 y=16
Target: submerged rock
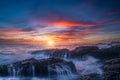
x=40 y=68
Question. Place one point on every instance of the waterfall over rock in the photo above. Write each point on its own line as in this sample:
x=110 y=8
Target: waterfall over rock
x=43 y=67
x=82 y=63
x=62 y=71
x=33 y=70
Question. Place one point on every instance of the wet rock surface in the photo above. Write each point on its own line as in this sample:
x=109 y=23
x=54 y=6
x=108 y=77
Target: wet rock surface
x=79 y=52
x=54 y=62
x=90 y=77
x=112 y=69
x=102 y=54
x=82 y=50
x=33 y=67
x=58 y=53
x=107 y=54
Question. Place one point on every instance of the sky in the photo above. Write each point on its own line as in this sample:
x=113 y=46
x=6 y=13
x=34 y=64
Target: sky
x=59 y=22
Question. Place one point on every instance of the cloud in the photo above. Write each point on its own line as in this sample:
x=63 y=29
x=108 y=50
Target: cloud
x=19 y=41
x=72 y=24
x=4 y=32
x=67 y=21
x=110 y=22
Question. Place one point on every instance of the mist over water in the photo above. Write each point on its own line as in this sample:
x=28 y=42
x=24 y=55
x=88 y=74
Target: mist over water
x=13 y=53
x=88 y=65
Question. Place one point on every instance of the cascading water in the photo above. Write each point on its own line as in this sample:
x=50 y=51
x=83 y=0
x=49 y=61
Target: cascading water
x=9 y=71
x=89 y=65
x=65 y=55
x=51 y=54
x=60 y=55
x=33 y=70
x=12 y=71
x=18 y=71
x=63 y=72
x=68 y=71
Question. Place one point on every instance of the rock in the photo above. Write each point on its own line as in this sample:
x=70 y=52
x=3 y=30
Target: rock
x=107 y=54
x=3 y=71
x=112 y=69
x=58 y=53
x=33 y=67
x=79 y=52
x=83 y=50
x=90 y=77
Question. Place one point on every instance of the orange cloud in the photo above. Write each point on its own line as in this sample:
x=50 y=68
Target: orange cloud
x=58 y=39
x=71 y=24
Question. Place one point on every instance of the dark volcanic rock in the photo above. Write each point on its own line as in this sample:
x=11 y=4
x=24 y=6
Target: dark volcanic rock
x=79 y=52
x=33 y=67
x=102 y=54
x=112 y=69
x=83 y=50
x=106 y=54
x=3 y=71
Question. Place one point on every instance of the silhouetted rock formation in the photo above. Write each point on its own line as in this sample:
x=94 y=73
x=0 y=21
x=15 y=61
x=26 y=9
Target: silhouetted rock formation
x=108 y=53
x=33 y=67
x=79 y=52
x=82 y=51
x=53 y=65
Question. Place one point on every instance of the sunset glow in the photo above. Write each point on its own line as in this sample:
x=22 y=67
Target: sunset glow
x=50 y=43
x=59 y=23
x=59 y=39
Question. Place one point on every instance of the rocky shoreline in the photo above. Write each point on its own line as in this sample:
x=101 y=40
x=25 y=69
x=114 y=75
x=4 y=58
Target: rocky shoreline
x=58 y=64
